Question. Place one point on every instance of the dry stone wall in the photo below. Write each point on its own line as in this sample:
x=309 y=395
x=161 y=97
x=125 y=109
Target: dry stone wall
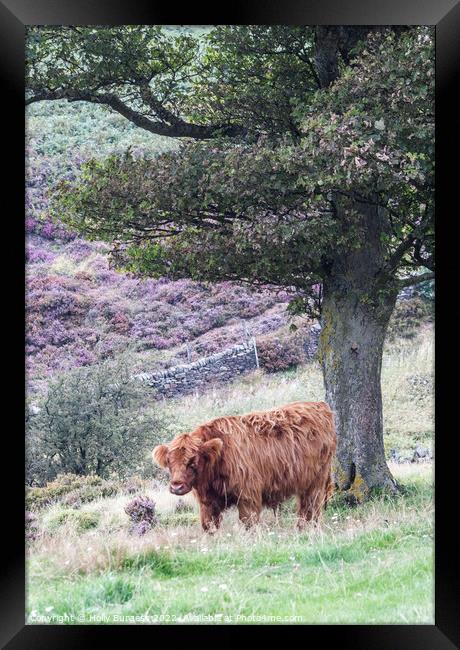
x=218 y=368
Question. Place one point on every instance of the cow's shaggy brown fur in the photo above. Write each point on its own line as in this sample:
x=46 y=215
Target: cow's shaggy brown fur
x=254 y=460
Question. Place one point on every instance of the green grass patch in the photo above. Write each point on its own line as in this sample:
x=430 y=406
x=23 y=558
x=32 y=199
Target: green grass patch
x=80 y=521
x=369 y=564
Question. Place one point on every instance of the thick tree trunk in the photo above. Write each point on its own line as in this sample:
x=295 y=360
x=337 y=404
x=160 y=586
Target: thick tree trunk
x=351 y=355
x=355 y=316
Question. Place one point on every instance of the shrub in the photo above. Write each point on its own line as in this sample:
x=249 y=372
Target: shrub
x=88 y=493
x=70 y=489
x=92 y=488
x=141 y=508
x=279 y=353
x=38 y=497
x=81 y=521
x=93 y=421
x=141 y=511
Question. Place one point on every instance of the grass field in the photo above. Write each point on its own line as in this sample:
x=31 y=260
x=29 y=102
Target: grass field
x=372 y=564
x=369 y=564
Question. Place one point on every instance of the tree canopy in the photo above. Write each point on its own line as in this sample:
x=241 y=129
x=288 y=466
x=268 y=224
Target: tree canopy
x=177 y=82
x=266 y=211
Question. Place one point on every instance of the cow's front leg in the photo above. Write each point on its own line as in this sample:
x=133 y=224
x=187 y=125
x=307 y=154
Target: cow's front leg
x=211 y=517
x=249 y=512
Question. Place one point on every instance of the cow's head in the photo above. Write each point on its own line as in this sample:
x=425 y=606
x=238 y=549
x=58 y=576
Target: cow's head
x=187 y=458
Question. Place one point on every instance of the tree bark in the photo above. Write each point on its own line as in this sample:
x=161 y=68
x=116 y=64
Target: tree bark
x=355 y=316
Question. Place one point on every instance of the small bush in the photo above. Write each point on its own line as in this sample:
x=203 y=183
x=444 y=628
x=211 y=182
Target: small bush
x=92 y=420
x=141 y=511
x=86 y=520
x=38 y=497
x=90 y=493
x=279 y=353
x=81 y=521
x=71 y=490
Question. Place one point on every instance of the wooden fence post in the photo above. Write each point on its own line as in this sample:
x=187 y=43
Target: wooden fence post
x=255 y=351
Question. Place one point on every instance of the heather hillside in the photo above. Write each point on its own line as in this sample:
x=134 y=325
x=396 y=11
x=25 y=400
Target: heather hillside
x=80 y=310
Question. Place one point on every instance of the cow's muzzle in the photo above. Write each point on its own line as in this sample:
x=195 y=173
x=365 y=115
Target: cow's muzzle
x=179 y=488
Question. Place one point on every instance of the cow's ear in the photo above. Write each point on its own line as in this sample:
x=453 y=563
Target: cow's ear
x=212 y=448
x=160 y=455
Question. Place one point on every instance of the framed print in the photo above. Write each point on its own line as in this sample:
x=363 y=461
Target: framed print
x=230 y=226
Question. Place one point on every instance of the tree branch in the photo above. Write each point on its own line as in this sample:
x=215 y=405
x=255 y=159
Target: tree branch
x=174 y=127
x=405 y=245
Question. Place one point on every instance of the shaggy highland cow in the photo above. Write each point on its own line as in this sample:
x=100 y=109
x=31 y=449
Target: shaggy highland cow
x=254 y=460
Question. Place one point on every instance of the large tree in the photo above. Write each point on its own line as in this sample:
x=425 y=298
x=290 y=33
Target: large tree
x=310 y=168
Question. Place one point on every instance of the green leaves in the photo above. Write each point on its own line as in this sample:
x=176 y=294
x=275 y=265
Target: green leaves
x=279 y=209
x=238 y=80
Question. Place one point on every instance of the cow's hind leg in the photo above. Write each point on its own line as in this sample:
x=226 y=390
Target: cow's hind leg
x=304 y=509
x=328 y=490
x=310 y=503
